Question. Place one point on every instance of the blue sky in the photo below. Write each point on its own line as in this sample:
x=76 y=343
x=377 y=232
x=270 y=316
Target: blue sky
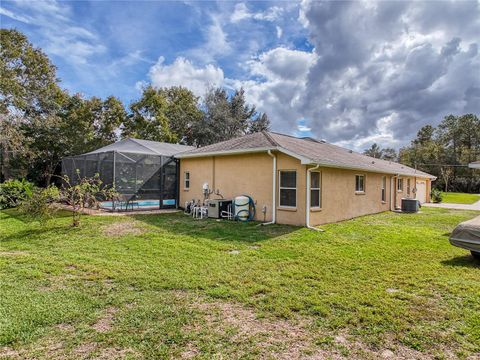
x=352 y=73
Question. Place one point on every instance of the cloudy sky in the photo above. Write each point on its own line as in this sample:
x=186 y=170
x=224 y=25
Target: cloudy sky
x=352 y=73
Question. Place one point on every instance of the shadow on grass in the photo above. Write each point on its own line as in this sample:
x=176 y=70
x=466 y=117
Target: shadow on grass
x=25 y=218
x=464 y=261
x=37 y=232
x=222 y=230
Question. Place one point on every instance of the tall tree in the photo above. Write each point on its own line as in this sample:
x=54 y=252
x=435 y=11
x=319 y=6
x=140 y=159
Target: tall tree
x=389 y=154
x=374 y=151
x=446 y=150
x=28 y=85
x=182 y=112
x=262 y=123
x=148 y=119
x=227 y=117
x=29 y=98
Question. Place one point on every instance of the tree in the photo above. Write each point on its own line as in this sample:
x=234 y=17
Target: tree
x=148 y=119
x=262 y=123
x=29 y=96
x=110 y=116
x=389 y=154
x=182 y=112
x=84 y=194
x=227 y=117
x=374 y=151
x=446 y=150
x=28 y=85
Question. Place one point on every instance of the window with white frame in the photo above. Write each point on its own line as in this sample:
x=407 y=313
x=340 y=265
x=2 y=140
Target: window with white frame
x=288 y=188
x=384 y=187
x=408 y=186
x=399 y=184
x=359 y=183
x=315 y=190
x=186 y=183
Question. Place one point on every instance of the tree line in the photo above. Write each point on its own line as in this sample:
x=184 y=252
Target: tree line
x=444 y=151
x=40 y=123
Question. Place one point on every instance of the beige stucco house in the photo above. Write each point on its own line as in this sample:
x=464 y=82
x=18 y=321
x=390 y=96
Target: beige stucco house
x=299 y=181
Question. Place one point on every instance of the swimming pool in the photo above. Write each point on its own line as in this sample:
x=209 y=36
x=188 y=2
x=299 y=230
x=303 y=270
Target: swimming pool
x=136 y=204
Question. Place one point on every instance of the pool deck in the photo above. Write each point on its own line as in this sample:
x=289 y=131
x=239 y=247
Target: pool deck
x=100 y=212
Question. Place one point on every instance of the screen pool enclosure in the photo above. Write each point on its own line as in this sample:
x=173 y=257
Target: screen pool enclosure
x=143 y=172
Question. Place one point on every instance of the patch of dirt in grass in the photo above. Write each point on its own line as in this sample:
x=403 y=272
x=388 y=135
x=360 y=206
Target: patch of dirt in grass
x=14 y=253
x=84 y=350
x=87 y=350
x=116 y=353
x=65 y=328
x=190 y=352
x=285 y=339
x=276 y=338
x=104 y=324
x=122 y=228
x=7 y=352
x=56 y=283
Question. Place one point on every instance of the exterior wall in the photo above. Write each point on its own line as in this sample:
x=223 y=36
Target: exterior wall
x=339 y=201
x=287 y=215
x=251 y=174
x=233 y=175
x=404 y=193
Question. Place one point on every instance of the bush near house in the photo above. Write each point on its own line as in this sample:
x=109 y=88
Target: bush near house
x=436 y=196
x=14 y=192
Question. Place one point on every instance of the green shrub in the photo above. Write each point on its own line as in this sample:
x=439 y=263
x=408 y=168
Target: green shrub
x=39 y=204
x=84 y=194
x=14 y=192
x=436 y=196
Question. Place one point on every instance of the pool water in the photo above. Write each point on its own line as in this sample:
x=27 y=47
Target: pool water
x=137 y=204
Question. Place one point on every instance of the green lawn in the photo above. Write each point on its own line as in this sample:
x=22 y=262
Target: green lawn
x=459 y=198
x=166 y=286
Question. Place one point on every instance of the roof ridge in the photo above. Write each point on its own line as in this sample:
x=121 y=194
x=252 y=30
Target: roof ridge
x=145 y=146
x=269 y=138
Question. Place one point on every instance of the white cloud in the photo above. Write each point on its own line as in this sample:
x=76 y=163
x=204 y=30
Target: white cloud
x=216 y=43
x=279 y=31
x=283 y=63
x=303 y=128
x=276 y=85
x=183 y=73
x=400 y=72
x=62 y=37
x=241 y=12
x=10 y=14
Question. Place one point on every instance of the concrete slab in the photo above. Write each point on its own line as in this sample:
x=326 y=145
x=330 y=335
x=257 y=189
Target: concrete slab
x=474 y=206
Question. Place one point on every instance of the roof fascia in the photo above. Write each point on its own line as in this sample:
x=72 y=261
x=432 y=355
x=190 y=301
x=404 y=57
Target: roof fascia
x=224 y=153
x=369 y=170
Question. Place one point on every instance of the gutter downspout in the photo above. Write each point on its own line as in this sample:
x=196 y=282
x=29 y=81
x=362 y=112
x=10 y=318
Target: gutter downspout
x=393 y=193
x=309 y=171
x=274 y=189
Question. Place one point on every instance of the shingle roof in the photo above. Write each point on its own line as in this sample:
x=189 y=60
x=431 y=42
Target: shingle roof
x=308 y=150
x=252 y=141
x=138 y=146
